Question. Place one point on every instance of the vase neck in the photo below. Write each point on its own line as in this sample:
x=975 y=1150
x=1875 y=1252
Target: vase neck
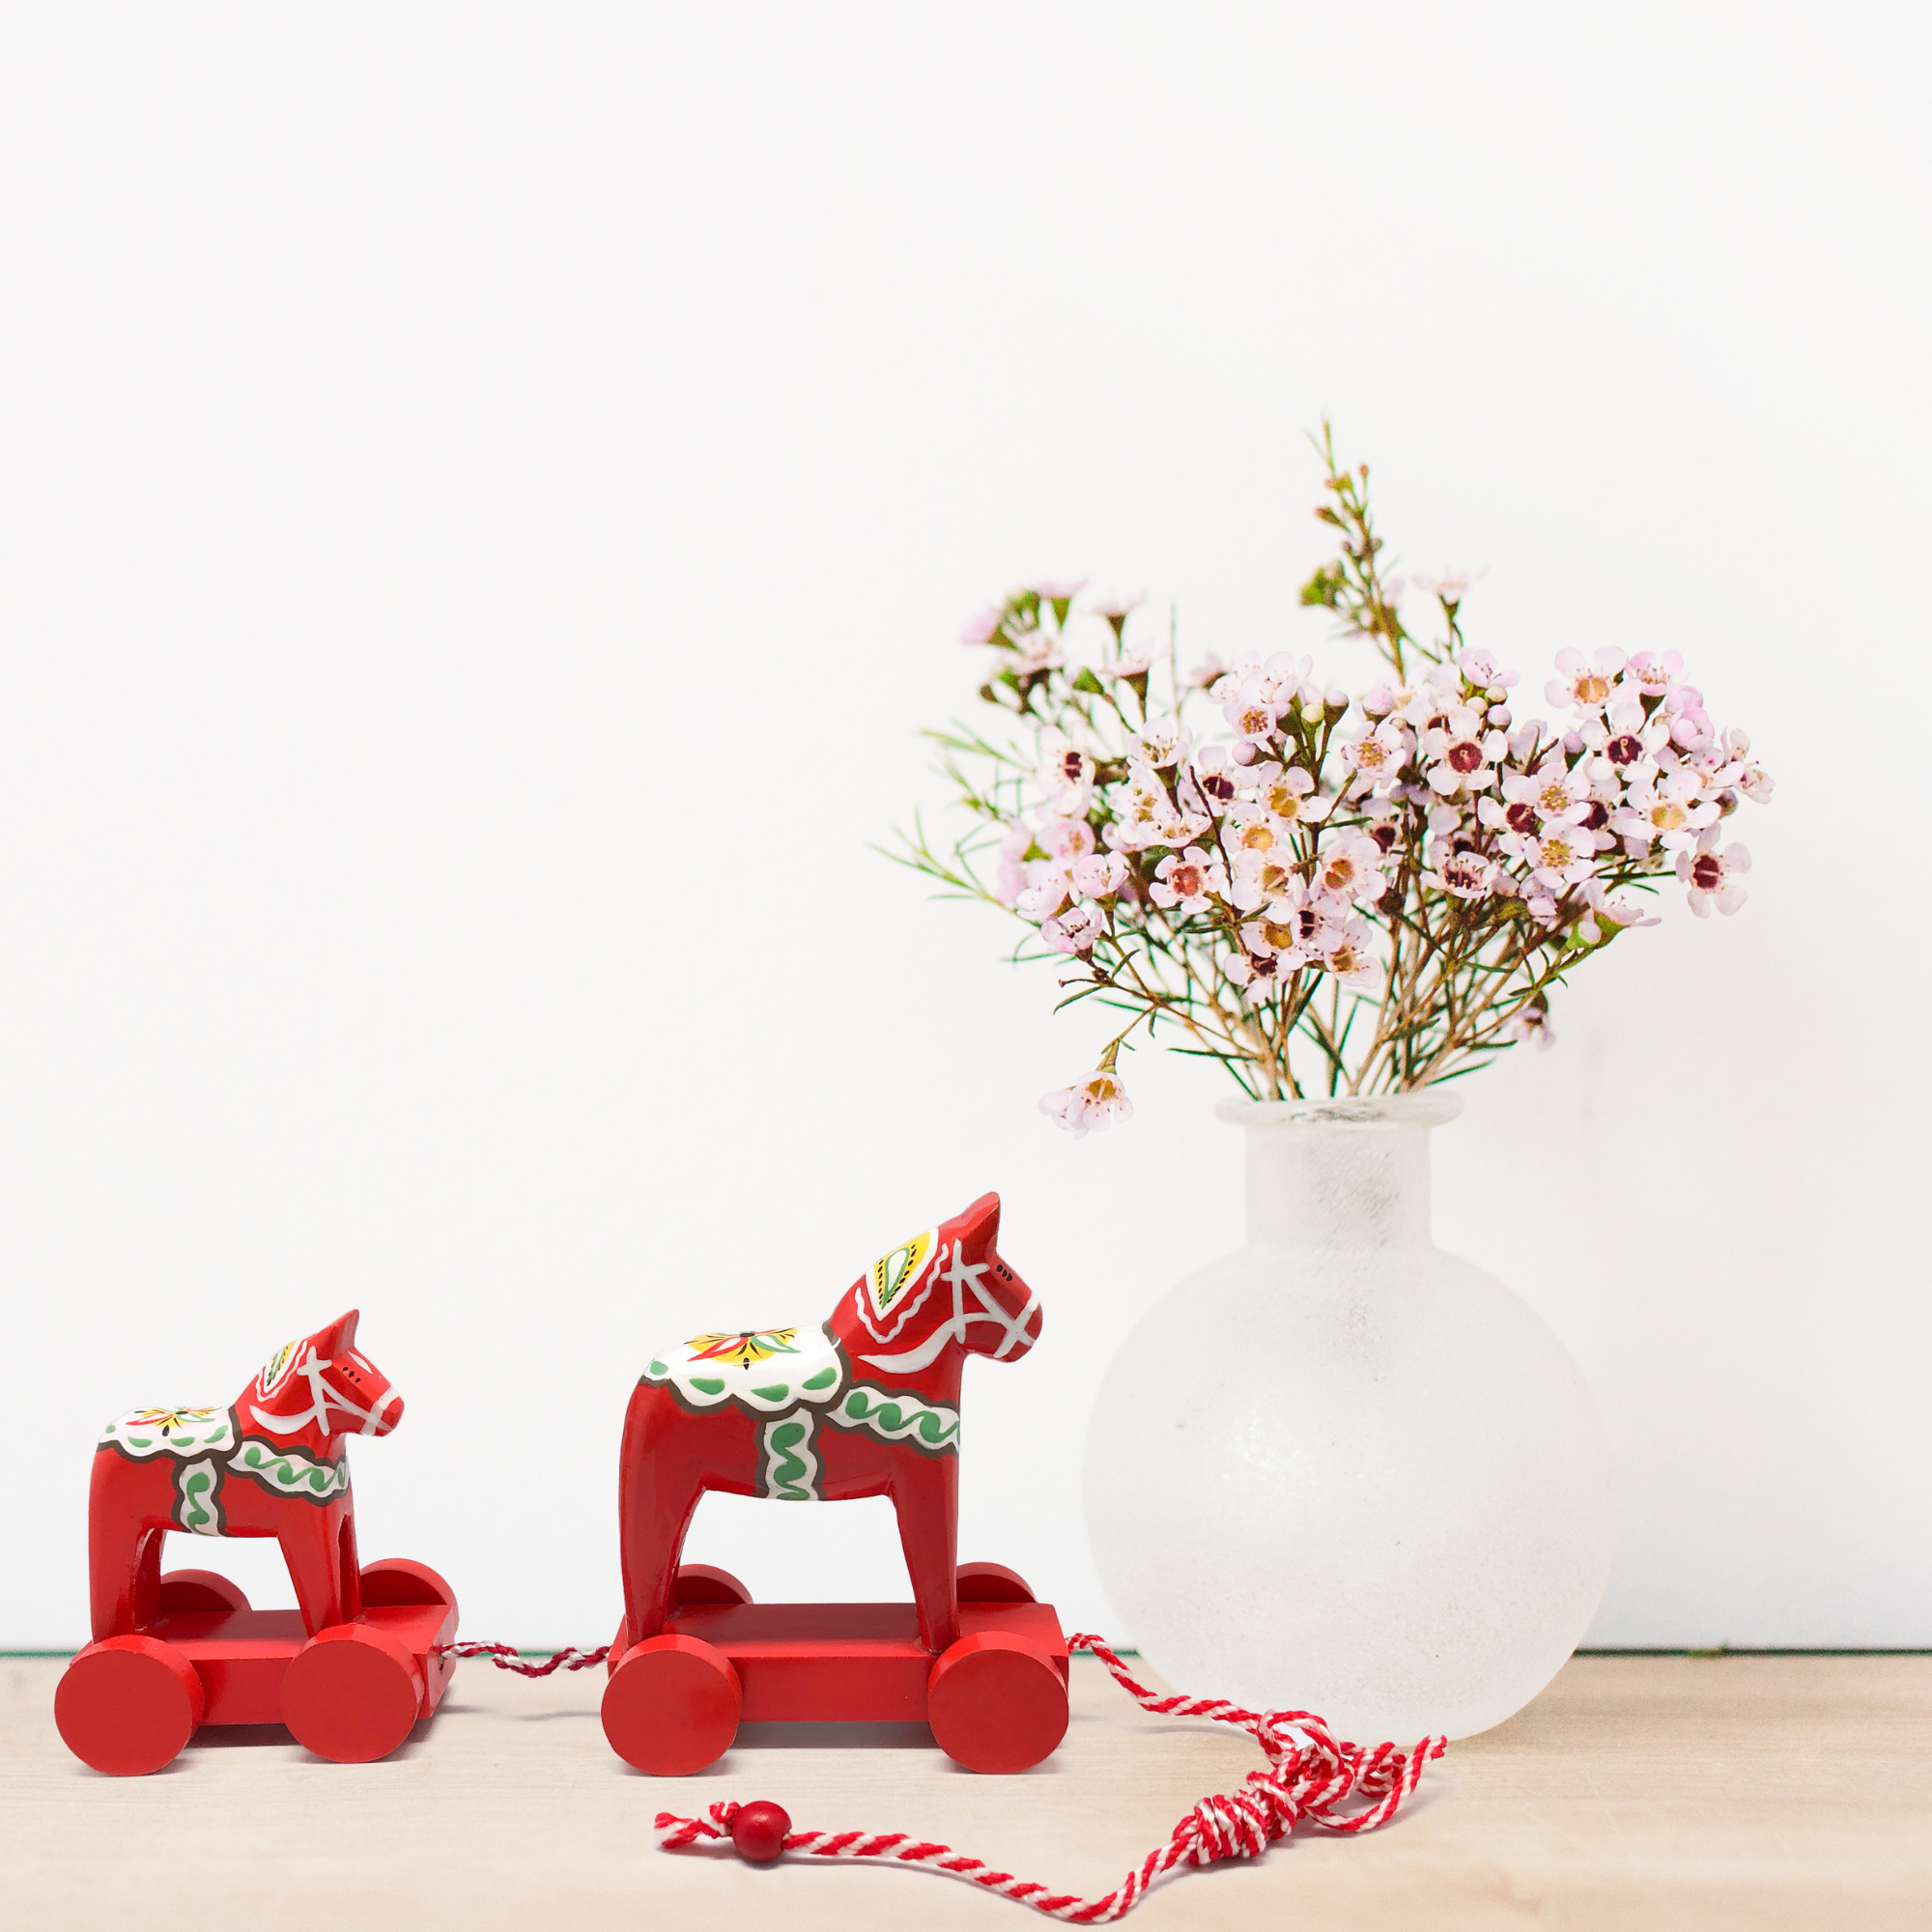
x=1316 y=1184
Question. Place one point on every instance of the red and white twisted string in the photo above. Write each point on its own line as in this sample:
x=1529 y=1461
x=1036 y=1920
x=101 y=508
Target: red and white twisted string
x=1309 y=1777
x=507 y=1657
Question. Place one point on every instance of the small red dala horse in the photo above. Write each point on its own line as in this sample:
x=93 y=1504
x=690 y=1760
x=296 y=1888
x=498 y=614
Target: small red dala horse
x=867 y=1406
x=272 y=1464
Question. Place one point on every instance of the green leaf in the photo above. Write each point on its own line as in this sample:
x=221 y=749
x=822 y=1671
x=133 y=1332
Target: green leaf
x=1325 y=587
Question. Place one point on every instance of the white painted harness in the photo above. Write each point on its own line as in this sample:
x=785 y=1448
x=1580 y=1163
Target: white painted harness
x=962 y=1274
x=322 y=1398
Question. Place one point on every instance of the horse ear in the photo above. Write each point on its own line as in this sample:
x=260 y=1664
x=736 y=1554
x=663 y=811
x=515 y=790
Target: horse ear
x=981 y=1220
x=340 y=1334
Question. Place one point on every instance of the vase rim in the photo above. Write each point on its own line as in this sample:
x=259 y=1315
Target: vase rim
x=1428 y=1109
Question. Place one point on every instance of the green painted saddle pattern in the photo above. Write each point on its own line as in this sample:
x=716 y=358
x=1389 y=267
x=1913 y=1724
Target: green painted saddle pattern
x=288 y=1473
x=791 y=1461
x=198 y=1497
x=898 y=1418
x=206 y=1449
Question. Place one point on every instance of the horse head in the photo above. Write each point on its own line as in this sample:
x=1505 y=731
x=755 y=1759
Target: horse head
x=946 y=1286
x=320 y=1388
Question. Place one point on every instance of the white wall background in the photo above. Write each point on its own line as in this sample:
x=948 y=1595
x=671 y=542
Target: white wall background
x=486 y=497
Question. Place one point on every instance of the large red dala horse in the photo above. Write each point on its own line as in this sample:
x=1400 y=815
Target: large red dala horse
x=866 y=1405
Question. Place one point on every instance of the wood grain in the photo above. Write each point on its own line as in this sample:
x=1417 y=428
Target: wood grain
x=1754 y=1793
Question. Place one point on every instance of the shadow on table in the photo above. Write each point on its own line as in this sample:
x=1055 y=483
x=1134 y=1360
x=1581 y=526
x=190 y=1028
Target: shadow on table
x=538 y=1717
x=256 y=1737
x=828 y=1736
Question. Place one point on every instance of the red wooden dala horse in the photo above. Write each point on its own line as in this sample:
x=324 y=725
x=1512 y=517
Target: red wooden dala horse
x=173 y=1651
x=866 y=1405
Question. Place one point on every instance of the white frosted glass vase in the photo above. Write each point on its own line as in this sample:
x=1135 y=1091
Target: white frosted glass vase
x=1340 y=1471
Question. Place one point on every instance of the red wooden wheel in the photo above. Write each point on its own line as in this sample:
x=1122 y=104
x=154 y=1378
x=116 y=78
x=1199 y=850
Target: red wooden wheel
x=127 y=1705
x=995 y=1703
x=200 y=1590
x=351 y=1693
x=397 y=1580
x=706 y=1583
x=671 y=1706
x=992 y=1583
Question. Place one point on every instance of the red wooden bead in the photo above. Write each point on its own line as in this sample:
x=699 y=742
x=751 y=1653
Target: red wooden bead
x=760 y=1830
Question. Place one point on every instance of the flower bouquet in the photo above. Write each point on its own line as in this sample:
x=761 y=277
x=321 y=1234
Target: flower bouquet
x=1391 y=1501
x=1328 y=894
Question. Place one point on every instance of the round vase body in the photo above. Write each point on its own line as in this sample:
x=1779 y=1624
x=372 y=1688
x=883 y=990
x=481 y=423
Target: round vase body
x=1339 y=1470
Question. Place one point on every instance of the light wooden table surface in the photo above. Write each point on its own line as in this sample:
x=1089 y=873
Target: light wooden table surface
x=1756 y=1793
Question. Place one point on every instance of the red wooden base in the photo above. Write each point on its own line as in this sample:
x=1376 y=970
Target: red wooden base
x=351 y=1692
x=996 y=1700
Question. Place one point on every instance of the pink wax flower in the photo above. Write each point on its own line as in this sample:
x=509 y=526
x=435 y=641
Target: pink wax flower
x=1075 y=930
x=1189 y=881
x=1326 y=895
x=1350 y=867
x=1713 y=874
x=1087 y=1105
x=1584 y=683
x=1101 y=874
